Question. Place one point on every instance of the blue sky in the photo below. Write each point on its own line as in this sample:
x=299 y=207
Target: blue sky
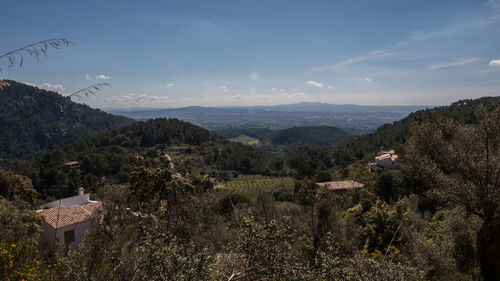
x=172 y=54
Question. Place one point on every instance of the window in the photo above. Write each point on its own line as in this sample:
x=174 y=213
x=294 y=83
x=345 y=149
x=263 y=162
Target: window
x=69 y=236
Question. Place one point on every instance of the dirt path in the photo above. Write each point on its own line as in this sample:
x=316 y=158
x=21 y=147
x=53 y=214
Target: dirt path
x=170 y=161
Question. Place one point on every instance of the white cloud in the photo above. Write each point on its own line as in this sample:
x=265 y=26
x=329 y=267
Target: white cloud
x=330 y=87
x=133 y=98
x=170 y=85
x=121 y=99
x=495 y=63
x=419 y=35
x=314 y=84
x=97 y=77
x=142 y=97
x=370 y=56
x=146 y=97
x=368 y=80
x=31 y=84
x=288 y=95
x=274 y=89
x=223 y=88
x=56 y=87
x=101 y=77
x=48 y=86
x=157 y=98
x=452 y=64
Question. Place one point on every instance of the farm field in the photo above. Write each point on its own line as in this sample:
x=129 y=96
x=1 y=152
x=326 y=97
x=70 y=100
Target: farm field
x=256 y=183
x=245 y=140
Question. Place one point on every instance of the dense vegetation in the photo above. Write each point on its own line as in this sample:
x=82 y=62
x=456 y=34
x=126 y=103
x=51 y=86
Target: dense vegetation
x=286 y=139
x=303 y=136
x=396 y=134
x=181 y=203
x=34 y=121
x=159 y=143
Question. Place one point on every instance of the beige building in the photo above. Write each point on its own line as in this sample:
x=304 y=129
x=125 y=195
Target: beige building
x=66 y=221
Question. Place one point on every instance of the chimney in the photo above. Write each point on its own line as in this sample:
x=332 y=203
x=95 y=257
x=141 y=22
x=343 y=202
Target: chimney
x=81 y=191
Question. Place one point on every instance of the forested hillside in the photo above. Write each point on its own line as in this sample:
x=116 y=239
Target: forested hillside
x=397 y=133
x=304 y=136
x=286 y=139
x=34 y=121
x=158 y=143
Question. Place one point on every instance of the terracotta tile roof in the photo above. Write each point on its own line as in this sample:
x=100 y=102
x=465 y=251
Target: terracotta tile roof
x=340 y=185
x=69 y=215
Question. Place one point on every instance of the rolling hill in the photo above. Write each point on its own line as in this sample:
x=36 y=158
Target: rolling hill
x=389 y=135
x=34 y=121
x=157 y=143
x=303 y=136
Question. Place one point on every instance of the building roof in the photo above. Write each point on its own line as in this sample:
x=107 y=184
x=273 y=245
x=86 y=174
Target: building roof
x=340 y=185
x=383 y=156
x=71 y=163
x=381 y=152
x=69 y=215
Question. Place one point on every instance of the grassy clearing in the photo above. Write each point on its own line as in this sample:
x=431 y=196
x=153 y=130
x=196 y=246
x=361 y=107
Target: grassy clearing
x=245 y=140
x=256 y=183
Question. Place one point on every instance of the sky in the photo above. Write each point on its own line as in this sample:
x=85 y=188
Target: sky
x=223 y=53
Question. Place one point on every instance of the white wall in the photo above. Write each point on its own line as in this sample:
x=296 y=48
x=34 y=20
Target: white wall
x=386 y=163
x=47 y=236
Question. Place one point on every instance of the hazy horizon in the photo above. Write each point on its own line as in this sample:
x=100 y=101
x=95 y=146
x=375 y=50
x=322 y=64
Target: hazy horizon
x=271 y=105
x=226 y=53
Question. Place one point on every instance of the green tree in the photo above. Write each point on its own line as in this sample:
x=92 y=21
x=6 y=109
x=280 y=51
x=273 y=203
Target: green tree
x=262 y=251
x=463 y=160
x=17 y=187
x=18 y=224
x=165 y=257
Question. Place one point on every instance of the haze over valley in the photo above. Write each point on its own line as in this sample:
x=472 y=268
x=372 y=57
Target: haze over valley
x=354 y=119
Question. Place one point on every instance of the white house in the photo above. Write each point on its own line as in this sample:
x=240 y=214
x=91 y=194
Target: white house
x=66 y=221
x=386 y=159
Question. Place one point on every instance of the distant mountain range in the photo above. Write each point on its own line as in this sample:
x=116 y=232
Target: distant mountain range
x=355 y=119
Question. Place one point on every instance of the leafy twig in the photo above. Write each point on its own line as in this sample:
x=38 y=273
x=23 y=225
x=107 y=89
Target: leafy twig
x=88 y=91
x=35 y=50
